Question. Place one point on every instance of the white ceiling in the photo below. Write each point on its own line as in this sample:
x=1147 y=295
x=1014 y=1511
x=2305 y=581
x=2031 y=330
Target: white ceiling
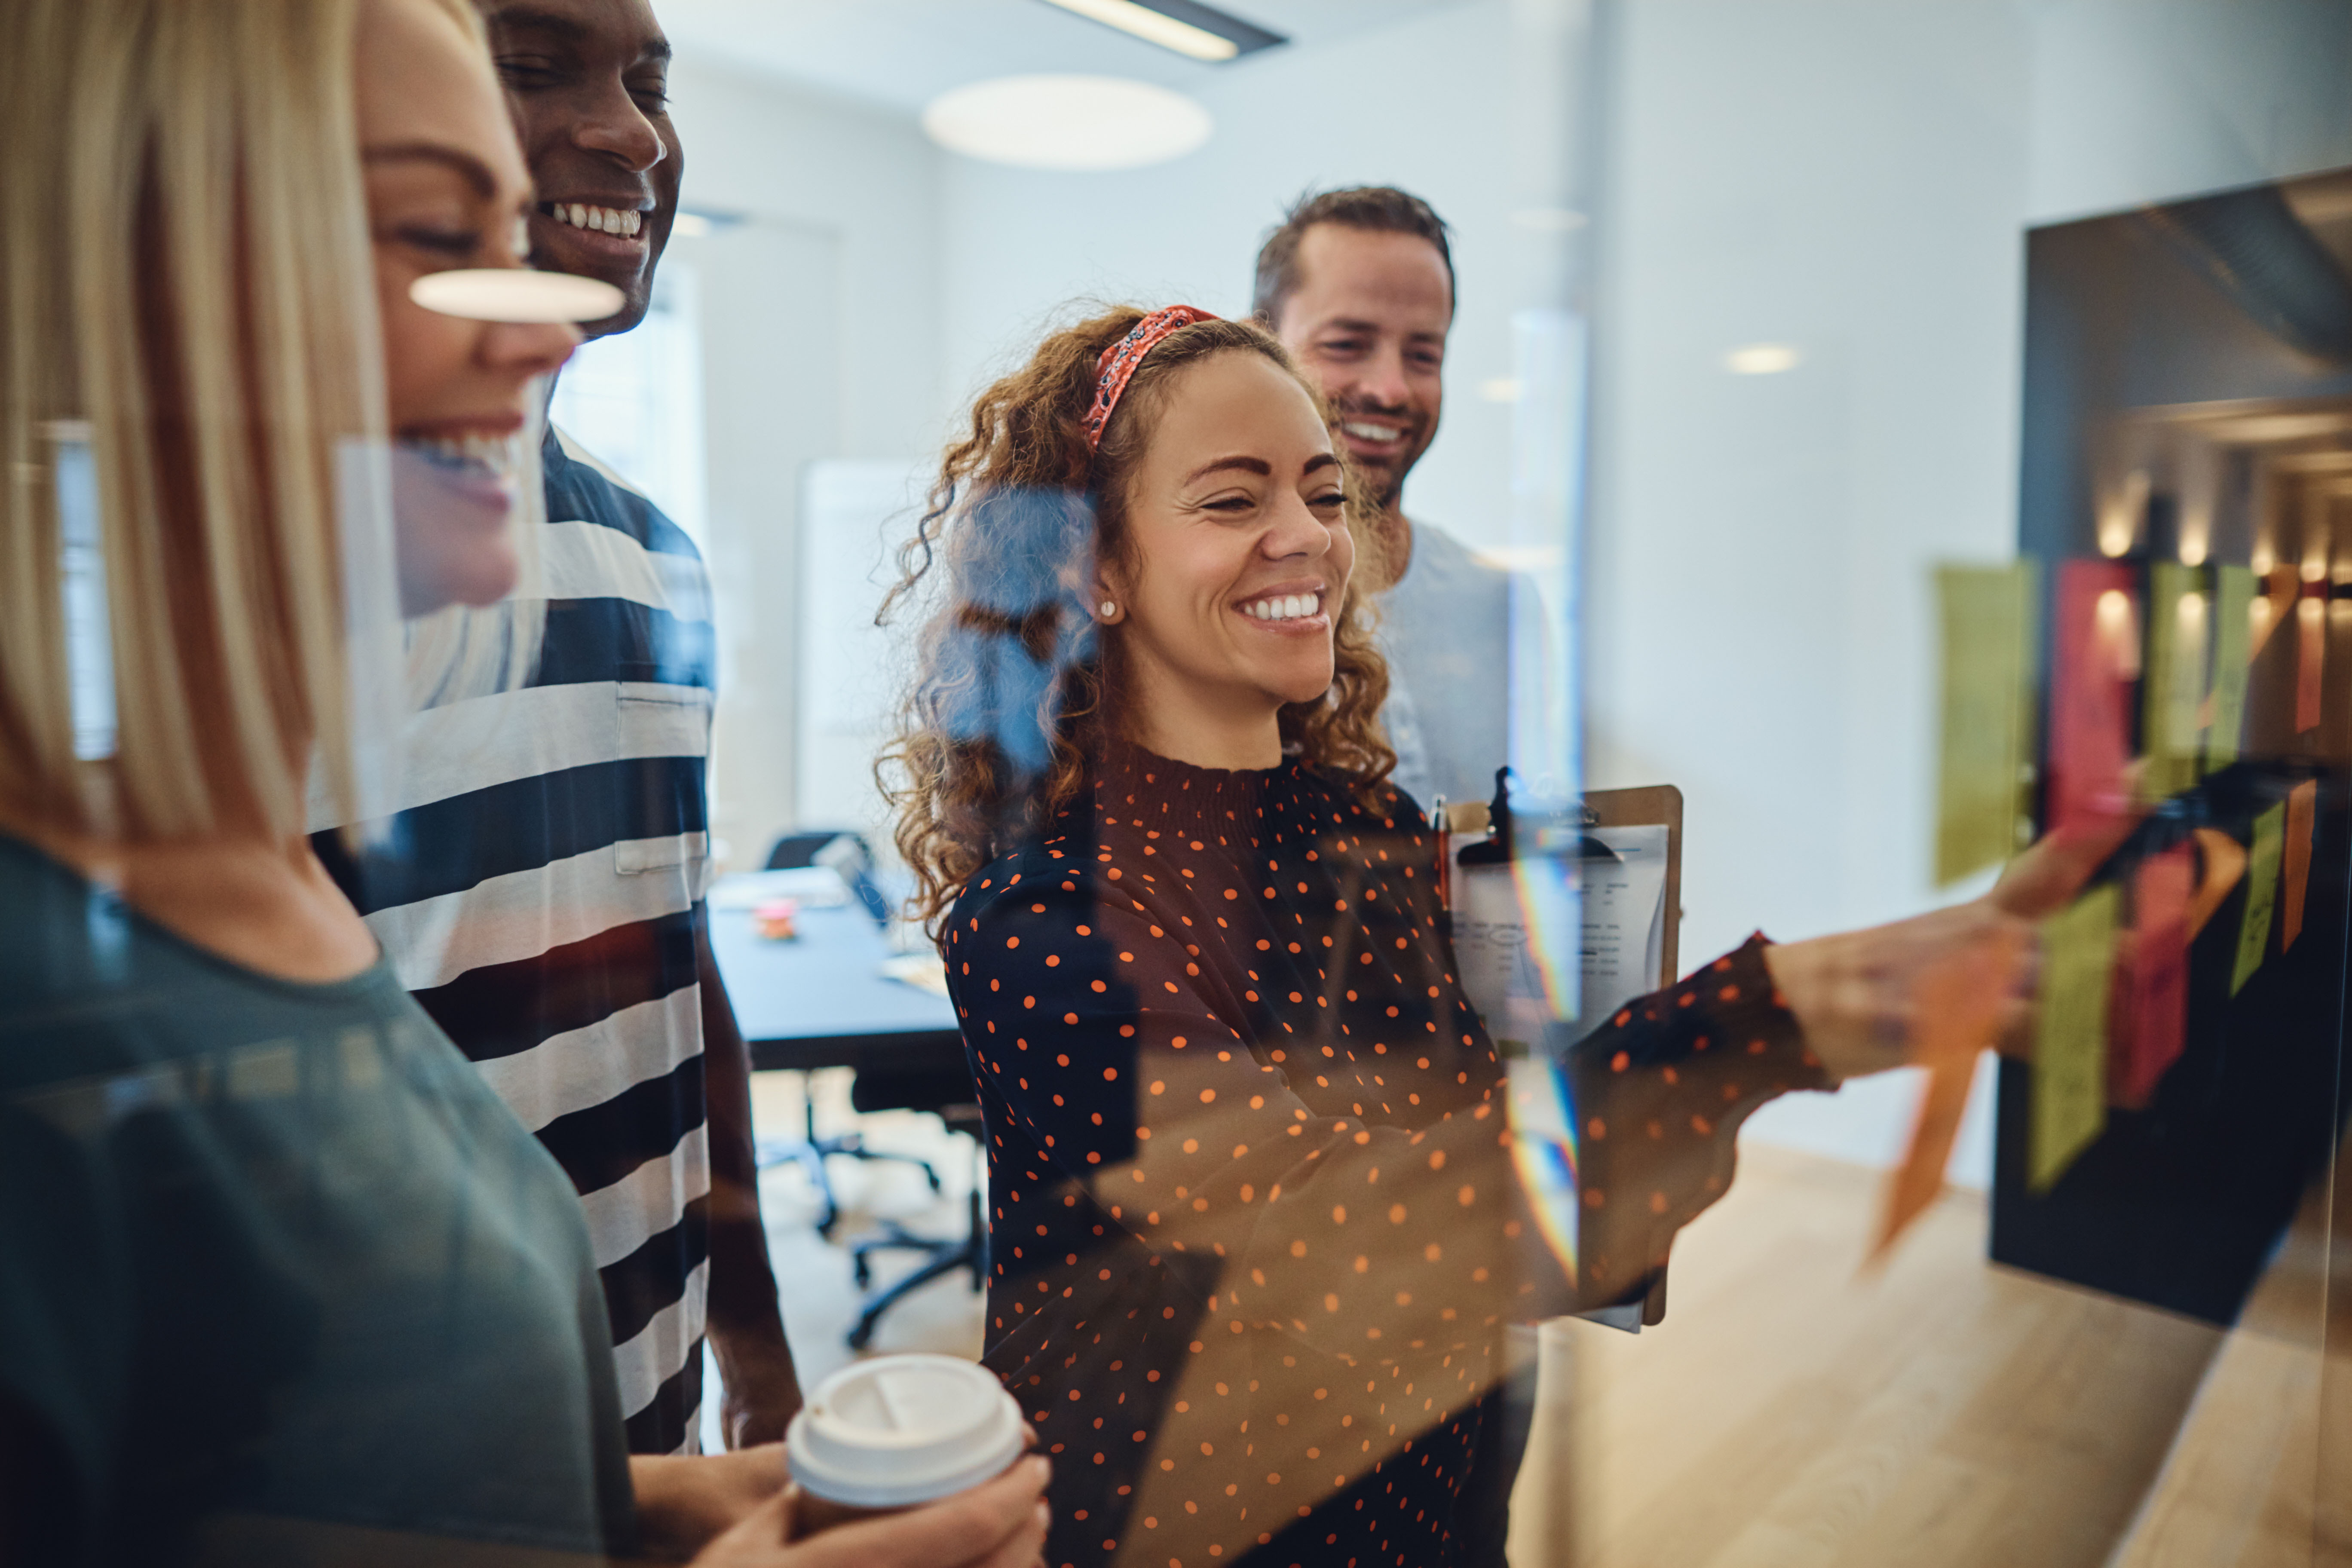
x=900 y=54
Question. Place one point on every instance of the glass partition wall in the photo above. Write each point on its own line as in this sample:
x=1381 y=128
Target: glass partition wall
x=1209 y=629
x=1747 y=325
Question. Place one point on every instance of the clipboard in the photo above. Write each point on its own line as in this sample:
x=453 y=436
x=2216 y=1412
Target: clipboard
x=1654 y=805
x=1649 y=805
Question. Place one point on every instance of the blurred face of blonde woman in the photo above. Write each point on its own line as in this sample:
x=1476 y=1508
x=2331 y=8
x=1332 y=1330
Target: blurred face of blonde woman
x=447 y=188
x=1240 y=560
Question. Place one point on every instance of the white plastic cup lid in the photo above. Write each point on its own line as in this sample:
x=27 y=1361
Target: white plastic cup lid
x=900 y=1430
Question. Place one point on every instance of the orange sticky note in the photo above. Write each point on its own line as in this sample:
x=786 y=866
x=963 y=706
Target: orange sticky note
x=2225 y=862
x=2301 y=803
x=1959 y=1005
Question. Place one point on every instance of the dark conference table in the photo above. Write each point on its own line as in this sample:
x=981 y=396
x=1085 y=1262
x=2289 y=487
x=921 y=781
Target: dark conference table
x=821 y=1001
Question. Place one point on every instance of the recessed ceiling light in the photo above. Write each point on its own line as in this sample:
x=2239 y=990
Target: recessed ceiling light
x=1076 y=122
x=1762 y=359
x=1548 y=220
x=1199 y=32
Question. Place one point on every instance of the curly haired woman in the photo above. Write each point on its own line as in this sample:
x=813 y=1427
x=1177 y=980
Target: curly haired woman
x=1256 y=1223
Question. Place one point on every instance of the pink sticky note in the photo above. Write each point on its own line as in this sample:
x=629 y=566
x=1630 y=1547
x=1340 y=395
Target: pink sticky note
x=2152 y=1026
x=2093 y=655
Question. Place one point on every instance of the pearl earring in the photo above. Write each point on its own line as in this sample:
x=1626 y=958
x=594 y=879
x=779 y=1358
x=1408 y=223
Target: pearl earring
x=1109 y=609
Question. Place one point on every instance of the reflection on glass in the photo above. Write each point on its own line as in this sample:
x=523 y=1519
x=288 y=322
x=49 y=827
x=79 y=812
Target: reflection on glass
x=1342 y=1165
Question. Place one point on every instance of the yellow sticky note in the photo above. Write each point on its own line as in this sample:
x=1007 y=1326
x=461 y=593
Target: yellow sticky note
x=2233 y=602
x=2069 y=1046
x=1987 y=619
x=2177 y=623
x=2262 y=894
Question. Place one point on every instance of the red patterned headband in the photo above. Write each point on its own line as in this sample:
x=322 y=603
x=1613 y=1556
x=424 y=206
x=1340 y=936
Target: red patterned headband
x=1117 y=366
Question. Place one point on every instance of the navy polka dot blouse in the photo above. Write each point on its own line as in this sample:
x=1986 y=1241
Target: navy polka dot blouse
x=1256 y=1222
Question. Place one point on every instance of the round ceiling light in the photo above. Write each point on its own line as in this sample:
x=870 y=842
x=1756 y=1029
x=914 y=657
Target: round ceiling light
x=1068 y=122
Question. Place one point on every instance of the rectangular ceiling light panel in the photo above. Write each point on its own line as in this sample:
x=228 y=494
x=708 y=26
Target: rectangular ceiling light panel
x=1198 y=32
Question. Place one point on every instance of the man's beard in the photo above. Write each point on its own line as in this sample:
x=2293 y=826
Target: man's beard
x=1385 y=477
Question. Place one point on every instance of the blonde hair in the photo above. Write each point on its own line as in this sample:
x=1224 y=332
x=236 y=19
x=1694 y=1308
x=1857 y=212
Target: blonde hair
x=185 y=275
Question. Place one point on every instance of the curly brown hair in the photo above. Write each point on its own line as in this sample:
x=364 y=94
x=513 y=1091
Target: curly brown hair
x=1015 y=686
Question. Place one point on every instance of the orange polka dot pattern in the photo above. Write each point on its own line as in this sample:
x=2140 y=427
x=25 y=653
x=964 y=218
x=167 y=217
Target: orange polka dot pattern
x=1255 y=1221
x=1255 y=1224
x=1661 y=1089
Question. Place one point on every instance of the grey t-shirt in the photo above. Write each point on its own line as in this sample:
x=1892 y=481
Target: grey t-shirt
x=281 y=1278
x=1446 y=629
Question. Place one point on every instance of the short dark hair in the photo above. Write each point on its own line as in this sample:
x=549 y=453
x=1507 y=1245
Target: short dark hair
x=1377 y=209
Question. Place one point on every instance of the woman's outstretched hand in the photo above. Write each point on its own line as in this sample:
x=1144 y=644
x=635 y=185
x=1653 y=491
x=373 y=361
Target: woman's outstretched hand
x=1884 y=996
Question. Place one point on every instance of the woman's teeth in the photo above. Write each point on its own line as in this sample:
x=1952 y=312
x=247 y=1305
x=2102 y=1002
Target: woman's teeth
x=1283 y=608
x=602 y=220
x=497 y=455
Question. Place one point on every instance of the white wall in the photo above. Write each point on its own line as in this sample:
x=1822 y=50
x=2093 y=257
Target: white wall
x=819 y=341
x=1424 y=105
x=1851 y=177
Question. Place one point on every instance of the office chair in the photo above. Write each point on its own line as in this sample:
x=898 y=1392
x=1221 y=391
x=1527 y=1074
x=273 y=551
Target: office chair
x=847 y=854
x=949 y=1097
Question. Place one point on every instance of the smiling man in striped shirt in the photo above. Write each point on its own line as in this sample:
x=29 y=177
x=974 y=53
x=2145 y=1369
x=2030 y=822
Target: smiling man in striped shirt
x=541 y=890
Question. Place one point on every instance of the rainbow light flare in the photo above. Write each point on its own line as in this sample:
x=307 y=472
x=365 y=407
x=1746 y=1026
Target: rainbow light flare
x=1543 y=1146
x=1550 y=898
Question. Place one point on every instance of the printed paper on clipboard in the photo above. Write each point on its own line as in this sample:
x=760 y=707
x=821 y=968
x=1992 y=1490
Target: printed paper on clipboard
x=1620 y=945
x=1624 y=926
x=1501 y=974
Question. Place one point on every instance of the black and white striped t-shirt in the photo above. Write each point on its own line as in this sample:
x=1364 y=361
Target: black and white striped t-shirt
x=538 y=896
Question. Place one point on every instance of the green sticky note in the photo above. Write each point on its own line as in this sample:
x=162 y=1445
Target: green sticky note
x=1986 y=620
x=2233 y=600
x=2174 y=677
x=2069 y=1046
x=2262 y=894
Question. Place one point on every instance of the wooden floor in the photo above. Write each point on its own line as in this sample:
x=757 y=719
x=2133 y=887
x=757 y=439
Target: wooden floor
x=1793 y=1413
x=1945 y=1413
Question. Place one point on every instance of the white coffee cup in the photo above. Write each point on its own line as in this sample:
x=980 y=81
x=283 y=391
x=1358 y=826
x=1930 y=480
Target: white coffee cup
x=899 y=1431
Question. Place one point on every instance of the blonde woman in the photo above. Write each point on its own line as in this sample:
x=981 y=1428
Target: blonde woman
x=279 y=1275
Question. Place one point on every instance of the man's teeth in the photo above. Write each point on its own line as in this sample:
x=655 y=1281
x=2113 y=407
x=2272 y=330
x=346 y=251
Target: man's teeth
x=602 y=220
x=1368 y=432
x=497 y=455
x=1283 y=608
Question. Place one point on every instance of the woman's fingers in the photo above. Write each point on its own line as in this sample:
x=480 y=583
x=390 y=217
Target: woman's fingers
x=2015 y=1036
x=1936 y=985
x=1027 y=1547
x=2045 y=878
x=757 y=1540
x=972 y=1529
